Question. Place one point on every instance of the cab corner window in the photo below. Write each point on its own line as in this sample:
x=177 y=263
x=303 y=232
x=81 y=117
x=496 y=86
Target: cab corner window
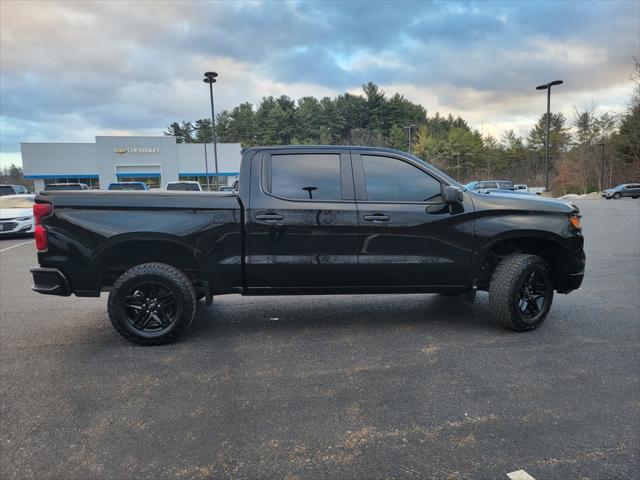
x=392 y=180
x=305 y=176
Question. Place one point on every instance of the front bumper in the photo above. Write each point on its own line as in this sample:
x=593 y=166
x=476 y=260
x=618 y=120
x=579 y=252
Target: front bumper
x=8 y=227
x=50 y=281
x=577 y=261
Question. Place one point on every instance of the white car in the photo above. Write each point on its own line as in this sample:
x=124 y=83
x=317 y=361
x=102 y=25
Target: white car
x=16 y=214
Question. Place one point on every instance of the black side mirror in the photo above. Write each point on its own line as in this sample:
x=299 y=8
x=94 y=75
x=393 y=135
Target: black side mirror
x=452 y=195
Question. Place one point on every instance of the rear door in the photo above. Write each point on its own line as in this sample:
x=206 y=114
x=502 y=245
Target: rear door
x=302 y=219
x=407 y=236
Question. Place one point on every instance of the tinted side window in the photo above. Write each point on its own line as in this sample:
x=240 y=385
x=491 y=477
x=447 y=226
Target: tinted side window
x=305 y=176
x=391 y=180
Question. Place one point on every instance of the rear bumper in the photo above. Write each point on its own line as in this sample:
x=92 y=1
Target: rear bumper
x=49 y=281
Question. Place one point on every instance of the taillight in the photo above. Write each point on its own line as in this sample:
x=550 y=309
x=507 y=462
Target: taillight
x=40 y=211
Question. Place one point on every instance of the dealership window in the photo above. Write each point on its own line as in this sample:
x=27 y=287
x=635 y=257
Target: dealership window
x=202 y=180
x=91 y=182
x=151 y=182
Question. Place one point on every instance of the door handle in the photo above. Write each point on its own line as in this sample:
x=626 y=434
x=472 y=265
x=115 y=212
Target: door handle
x=269 y=217
x=378 y=217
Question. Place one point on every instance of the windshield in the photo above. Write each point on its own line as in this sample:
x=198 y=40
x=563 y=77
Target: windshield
x=49 y=188
x=16 y=202
x=126 y=186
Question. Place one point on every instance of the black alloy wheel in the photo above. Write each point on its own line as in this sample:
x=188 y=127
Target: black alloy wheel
x=152 y=304
x=151 y=307
x=533 y=294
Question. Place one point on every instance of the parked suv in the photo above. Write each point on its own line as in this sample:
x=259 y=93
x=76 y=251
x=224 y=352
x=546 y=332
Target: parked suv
x=625 y=190
x=184 y=186
x=127 y=186
x=65 y=186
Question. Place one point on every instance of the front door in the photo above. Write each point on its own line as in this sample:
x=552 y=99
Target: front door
x=407 y=237
x=302 y=220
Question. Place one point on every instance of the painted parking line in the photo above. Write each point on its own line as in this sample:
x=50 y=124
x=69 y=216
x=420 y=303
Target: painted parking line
x=520 y=475
x=15 y=246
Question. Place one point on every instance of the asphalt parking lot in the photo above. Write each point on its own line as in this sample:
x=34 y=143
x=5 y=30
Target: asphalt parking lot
x=387 y=386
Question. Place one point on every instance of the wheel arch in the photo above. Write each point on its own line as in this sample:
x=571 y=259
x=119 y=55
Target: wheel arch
x=546 y=245
x=126 y=251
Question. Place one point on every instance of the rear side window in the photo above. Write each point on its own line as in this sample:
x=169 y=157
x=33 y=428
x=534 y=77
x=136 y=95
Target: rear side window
x=305 y=176
x=5 y=190
x=391 y=180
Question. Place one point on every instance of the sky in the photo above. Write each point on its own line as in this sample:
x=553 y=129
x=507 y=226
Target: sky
x=72 y=70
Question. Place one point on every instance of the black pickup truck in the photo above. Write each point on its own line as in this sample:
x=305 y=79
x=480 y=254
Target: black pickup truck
x=307 y=220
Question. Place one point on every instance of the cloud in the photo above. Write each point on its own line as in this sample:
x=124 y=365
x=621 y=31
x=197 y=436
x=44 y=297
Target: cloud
x=71 y=70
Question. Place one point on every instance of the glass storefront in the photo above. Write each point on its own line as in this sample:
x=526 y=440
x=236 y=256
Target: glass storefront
x=152 y=182
x=90 y=181
x=202 y=180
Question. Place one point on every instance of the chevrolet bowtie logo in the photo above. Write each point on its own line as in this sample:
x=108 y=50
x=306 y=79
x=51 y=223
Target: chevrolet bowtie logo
x=120 y=151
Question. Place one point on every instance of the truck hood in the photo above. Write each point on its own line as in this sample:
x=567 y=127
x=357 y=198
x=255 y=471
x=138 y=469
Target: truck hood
x=514 y=201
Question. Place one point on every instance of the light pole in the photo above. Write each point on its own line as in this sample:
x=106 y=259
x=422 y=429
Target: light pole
x=210 y=78
x=602 y=166
x=410 y=128
x=547 y=87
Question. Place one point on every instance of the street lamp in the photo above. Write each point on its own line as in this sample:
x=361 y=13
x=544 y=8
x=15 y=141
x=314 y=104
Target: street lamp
x=210 y=78
x=547 y=87
x=410 y=127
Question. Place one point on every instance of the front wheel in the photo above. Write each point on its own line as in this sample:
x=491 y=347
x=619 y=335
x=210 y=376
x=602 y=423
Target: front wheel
x=521 y=292
x=616 y=196
x=151 y=304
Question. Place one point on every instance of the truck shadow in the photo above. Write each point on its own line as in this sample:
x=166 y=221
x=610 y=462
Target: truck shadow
x=273 y=315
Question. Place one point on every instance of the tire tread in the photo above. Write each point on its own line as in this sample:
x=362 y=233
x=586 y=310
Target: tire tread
x=172 y=274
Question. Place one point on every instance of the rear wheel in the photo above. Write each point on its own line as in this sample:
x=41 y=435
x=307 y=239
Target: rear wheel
x=151 y=304
x=521 y=292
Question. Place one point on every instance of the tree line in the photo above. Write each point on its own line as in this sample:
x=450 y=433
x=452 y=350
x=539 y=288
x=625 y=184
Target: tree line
x=377 y=119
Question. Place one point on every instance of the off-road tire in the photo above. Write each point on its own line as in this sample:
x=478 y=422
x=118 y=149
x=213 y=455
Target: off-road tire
x=504 y=289
x=170 y=278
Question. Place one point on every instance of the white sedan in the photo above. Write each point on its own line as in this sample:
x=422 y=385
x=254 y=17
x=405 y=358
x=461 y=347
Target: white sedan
x=16 y=214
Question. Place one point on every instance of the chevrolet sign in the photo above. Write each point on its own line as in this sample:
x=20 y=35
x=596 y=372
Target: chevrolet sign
x=122 y=150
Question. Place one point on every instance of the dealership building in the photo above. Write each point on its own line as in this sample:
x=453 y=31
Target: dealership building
x=153 y=160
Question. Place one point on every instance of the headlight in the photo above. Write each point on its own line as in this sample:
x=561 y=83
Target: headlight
x=574 y=221
x=22 y=219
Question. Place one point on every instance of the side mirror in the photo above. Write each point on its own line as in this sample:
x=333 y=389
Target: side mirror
x=452 y=195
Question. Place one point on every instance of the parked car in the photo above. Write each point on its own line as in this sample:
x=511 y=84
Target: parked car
x=7 y=189
x=521 y=187
x=65 y=186
x=490 y=185
x=16 y=214
x=184 y=186
x=497 y=186
x=625 y=190
x=127 y=186
x=225 y=188
x=323 y=219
